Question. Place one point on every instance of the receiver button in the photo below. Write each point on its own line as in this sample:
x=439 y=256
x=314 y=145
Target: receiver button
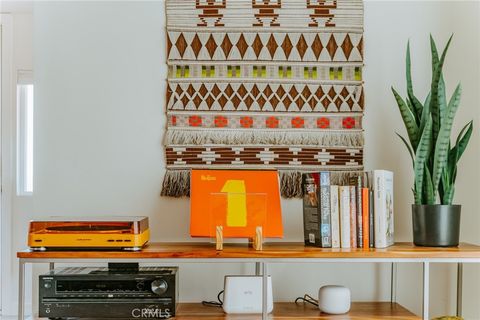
x=159 y=286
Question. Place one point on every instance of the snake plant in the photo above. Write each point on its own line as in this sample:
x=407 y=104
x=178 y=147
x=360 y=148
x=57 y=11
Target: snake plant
x=429 y=126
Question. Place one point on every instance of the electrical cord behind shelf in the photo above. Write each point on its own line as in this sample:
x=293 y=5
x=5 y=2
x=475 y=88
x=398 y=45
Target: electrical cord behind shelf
x=307 y=299
x=218 y=303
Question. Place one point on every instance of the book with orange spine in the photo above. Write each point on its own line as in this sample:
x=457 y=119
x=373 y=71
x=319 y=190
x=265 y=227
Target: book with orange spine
x=365 y=216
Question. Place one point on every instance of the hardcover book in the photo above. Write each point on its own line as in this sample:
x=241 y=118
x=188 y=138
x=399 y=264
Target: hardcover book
x=353 y=217
x=325 y=226
x=371 y=220
x=335 y=216
x=344 y=199
x=383 y=208
x=316 y=209
x=358 y=183
x=365 y=217
x=310 y=209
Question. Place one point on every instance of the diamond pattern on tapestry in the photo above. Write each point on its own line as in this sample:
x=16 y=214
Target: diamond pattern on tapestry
x=256 y=84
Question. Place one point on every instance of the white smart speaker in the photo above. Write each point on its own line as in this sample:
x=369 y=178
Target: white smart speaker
x=334 y=299
x=243 y=294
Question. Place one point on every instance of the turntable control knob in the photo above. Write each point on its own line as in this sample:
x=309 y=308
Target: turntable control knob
x=159 y=286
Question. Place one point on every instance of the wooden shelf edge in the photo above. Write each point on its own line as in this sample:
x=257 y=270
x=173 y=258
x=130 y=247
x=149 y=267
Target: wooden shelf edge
x=277 y=250
x=288 y=310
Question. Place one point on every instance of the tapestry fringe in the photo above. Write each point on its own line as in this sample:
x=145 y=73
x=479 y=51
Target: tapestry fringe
x=256 y=137
x=176 y=183
x=291 y=181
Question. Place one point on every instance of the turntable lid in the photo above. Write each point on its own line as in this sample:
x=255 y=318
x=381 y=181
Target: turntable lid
x=91 y=219
x=74 y=224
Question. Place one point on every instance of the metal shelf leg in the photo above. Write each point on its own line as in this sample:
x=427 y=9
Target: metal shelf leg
x=459 y=288
x=264 y=291
x=258 y=269
x=393 y=283
x=21 y=290
x=426 y=284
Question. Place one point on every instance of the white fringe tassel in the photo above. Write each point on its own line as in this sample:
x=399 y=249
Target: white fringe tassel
x=176 y=183
x=255 y=137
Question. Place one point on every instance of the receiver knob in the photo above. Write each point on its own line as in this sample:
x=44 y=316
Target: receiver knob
x=159 y=286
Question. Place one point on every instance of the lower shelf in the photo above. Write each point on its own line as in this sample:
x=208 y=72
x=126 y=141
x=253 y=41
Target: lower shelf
x=286 y=310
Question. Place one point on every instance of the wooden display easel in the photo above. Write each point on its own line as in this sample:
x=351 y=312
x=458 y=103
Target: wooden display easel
x=255 y=242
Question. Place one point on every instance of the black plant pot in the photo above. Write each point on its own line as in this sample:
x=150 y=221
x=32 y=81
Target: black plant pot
x=436 y=225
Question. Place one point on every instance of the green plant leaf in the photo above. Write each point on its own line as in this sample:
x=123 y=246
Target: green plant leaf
x=448 y=197
x=409 y=148
x=413 y=110
x=434 y=100
x=421 y=157
x=442 y=99
x=428 y=188
x=457 y=151
x=425 y=113
x=444 y=184
x=463 y=139
x=409 y=70
x=410 y=105
x=443 y=140
x=408 y=119
x=416 y=105
x=433 y=48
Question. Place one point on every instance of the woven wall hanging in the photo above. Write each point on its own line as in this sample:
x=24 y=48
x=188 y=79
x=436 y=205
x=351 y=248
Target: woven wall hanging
x=262 y=84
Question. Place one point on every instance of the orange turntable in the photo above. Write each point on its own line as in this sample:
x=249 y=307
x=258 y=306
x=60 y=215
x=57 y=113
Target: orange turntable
x=129 y=233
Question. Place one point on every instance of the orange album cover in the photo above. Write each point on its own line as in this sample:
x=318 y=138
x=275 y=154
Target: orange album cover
x=238 y=200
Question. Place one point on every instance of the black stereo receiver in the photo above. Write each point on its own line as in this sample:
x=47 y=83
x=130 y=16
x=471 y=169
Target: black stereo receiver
x=85 y=292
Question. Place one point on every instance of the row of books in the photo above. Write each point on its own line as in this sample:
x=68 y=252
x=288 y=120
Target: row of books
x=358 y=215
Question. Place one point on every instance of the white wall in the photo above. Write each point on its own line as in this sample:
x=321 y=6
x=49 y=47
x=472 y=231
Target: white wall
x=99 y=121
x=17 y=21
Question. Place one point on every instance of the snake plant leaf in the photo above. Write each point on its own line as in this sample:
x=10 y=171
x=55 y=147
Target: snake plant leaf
x=428 y=190
x=413 y=110
x=421 y=157
x=448 y=196
x=433 y=48
x=409 y=148
x=444 y=184
x=417 y=105
x=408 y=119
x=442 y=98
x=425 y=113
x=409 y=71
x=456 y=152
x=450 y=173
x=463 y=139
x=435 y=96
x=443 y=140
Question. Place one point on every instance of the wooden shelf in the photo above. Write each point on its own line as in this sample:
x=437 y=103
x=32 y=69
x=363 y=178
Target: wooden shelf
x=285 y=310
x=192 y=250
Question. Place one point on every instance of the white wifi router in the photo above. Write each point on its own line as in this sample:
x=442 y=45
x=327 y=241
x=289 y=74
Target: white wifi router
x=243 y=294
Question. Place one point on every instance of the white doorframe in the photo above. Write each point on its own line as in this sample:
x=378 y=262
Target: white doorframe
x=7 y=260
